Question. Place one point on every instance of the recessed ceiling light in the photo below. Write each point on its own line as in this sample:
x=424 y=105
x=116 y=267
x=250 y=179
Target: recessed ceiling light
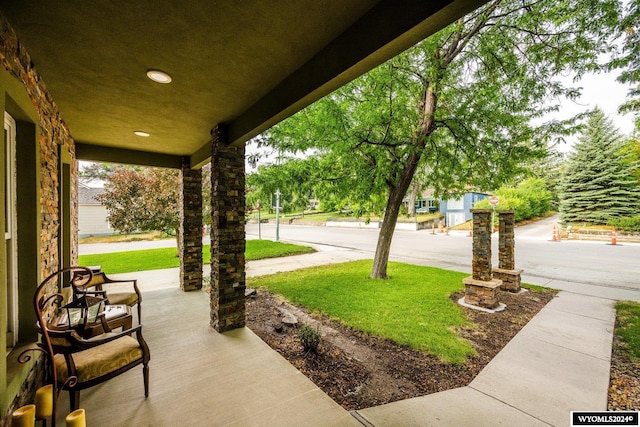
x=142 y=133
x=159 y=76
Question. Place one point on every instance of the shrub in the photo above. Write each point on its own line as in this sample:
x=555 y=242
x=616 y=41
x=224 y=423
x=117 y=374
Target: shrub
x=309 y=338
x=529 y=199
x=627 y=223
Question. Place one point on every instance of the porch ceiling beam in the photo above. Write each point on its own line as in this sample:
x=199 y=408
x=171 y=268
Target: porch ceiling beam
x=99 y=153
x=383 y=32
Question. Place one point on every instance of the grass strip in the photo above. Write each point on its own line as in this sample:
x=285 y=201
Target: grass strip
x=154 y=259
x=628 y=329
x=412 y=307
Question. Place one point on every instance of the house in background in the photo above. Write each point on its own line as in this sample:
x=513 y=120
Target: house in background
x=426 y=203
x=92 y=215
x=457 y=211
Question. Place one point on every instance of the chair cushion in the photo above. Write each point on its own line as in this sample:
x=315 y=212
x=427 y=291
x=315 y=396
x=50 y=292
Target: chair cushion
x=101 y=360
x=128 y=298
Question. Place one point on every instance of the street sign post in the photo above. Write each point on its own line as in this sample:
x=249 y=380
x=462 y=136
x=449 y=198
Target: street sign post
x=493 y=201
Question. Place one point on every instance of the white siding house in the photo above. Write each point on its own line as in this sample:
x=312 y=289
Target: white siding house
x=92 y=216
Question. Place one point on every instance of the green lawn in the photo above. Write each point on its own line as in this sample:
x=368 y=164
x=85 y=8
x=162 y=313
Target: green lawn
x=628 y=319
x=411 y=308
x=153 y=259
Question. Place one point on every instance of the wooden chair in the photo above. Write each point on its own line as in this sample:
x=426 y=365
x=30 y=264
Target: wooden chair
x=76 y=362
x=99 y=284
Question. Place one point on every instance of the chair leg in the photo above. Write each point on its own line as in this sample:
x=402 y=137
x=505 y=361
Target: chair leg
x=139 y=314
x=145 y=373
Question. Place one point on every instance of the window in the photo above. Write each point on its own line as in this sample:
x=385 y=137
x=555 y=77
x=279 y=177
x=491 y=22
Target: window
x=10 y=230
x=455 y=204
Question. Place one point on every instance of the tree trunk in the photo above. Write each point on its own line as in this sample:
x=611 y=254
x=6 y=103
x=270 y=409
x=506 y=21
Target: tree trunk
x=396 y=194
x=398 y=191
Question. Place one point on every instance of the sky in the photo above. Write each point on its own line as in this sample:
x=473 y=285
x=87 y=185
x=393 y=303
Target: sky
x=603 y=91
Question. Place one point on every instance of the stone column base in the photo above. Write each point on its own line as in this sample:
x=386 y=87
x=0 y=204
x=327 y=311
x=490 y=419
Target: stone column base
x=481 y=293
x=510 y=279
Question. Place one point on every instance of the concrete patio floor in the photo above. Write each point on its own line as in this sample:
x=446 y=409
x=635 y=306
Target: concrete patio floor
x=202 y=378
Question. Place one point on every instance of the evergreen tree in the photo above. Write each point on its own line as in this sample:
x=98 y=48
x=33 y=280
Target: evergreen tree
x=598 y=184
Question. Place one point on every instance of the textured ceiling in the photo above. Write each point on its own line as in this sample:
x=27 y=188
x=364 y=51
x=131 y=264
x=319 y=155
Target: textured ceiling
x=245 y=63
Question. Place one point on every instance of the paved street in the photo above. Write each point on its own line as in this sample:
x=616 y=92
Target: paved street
x=593 y=264
x=593 y=268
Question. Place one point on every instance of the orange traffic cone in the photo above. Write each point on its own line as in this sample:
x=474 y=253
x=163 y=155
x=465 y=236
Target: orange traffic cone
x=433 y=228
x=555 y=237
x=614 y=239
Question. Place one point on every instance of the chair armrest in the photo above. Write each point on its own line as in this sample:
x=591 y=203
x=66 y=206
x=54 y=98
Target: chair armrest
x=101 y=294
x=80 y=343
x=134 y=282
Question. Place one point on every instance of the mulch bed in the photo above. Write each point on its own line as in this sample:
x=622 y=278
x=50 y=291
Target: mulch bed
x=359 y=371
x=624 y=383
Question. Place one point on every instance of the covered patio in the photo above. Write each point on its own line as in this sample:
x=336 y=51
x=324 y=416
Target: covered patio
x=200 y=377
x=170 y=85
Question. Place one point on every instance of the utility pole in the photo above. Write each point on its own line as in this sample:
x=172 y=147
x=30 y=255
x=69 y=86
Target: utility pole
x=259 y=222
x=278 y=215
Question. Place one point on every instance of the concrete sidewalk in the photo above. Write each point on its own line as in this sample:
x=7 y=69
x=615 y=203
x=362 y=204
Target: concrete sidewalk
x=559 y=362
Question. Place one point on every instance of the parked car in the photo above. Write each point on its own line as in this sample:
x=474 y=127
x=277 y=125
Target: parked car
x=422 y=210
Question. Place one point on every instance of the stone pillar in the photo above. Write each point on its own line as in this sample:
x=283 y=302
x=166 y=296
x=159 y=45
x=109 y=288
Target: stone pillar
x=506 y=239
x=481 y=289
x=227 y=233
x=190 y=228
x=481 y=262
x=506 y=253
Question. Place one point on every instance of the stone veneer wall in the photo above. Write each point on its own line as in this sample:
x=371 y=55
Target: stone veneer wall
x=481 y=264
x=481 y=289
x=228 y=279
x=506 y=240
x=191 y=227
x=511 y=280
x=54 y=134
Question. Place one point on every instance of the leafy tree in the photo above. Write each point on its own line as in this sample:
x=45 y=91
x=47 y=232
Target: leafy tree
x=549 y=169
x=459 y=104
x=93 y=171
x=529 y=199
x=123 y=180
x=631 y=153
x=292 y=178
x=144 y=199
x=629 y=59
x=598 y=185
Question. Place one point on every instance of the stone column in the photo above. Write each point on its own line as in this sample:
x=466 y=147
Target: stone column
x=506 y=239
x=481 y=244
x=227 y=233
x=190 y=228
x=481 y=289
x=506 y=253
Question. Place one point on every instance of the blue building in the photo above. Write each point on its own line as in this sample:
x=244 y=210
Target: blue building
x=457 y=211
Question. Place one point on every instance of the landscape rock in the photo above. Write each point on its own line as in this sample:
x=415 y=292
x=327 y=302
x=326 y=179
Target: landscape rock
x=288 y=318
